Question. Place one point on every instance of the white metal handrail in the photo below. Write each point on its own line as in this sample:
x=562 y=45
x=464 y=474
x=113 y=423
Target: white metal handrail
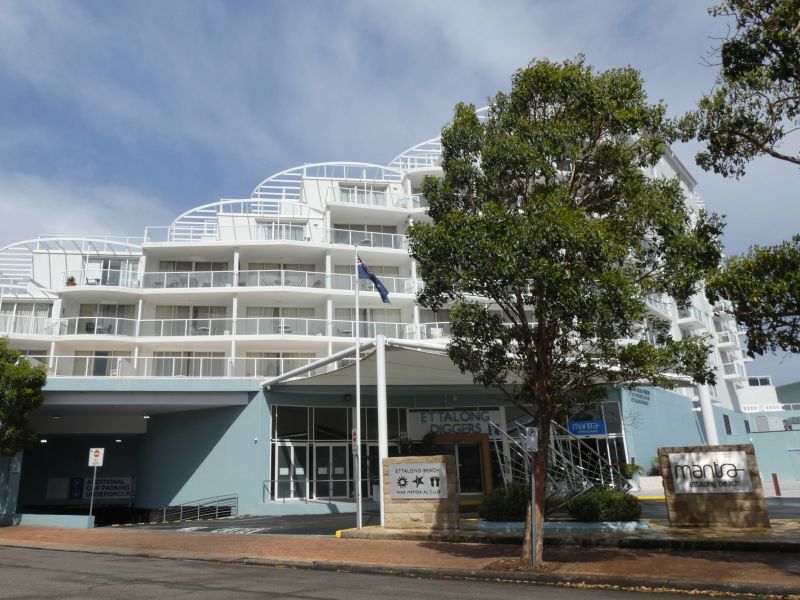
x=377 y=198
x=187 y=279
x=97 y=326
x=185 y=327
x=101 y=277
x=351 y=237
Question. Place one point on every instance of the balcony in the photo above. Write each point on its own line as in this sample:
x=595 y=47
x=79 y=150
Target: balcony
x=365 y=197
x=367 y=238
x=101 y=277
x=171 y=366
x=188 y=279
x=692 y=316
x=185 y=327
x=97 y=326
x=727 y=339
x=281 y=326
x=27 y=325
x=733 y=370
x=662 y=309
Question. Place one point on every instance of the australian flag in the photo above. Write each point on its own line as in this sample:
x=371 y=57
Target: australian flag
x=365 y=273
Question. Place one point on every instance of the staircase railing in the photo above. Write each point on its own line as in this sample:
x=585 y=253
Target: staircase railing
x=215 y=507
x=573 y=466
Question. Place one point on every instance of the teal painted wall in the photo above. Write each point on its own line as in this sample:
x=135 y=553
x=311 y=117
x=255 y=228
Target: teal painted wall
x=67 y=457
x=667 y=419
x=192 y=455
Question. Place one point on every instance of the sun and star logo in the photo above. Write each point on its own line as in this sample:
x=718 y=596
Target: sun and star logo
x=402 y=481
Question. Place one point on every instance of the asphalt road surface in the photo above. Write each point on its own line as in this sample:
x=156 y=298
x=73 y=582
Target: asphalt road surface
x=779 y=508
x=29 y=574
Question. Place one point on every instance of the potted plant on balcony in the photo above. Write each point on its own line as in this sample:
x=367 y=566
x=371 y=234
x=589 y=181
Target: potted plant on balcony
x=71 y=281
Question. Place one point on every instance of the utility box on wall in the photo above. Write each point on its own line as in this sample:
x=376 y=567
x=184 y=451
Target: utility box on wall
x=419 y=492
x=713 y=486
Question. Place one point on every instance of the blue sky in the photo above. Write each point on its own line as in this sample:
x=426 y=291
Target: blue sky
x=117 y=115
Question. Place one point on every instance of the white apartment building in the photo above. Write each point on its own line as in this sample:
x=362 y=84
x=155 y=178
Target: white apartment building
x=156 y=346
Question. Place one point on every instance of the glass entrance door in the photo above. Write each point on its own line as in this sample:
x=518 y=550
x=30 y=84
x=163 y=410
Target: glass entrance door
x=470 y=468
x=331 y=477
x=291 y=468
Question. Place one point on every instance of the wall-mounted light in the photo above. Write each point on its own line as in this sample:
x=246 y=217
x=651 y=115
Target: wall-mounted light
x=56 y=417
x=118 y=441
x=42 y=441
x=347 y=397
x=145 y=416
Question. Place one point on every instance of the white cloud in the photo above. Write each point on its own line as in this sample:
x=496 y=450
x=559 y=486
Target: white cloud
x=31 y=205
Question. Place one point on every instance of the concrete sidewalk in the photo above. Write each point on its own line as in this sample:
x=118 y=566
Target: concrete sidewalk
x=654 y=568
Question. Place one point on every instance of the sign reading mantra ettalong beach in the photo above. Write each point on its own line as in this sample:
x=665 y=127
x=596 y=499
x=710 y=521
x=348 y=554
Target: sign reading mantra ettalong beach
x=710 y=472
x=417 y=481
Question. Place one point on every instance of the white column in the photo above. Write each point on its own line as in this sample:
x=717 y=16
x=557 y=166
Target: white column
x=415 y=308
x=357 y=441
x=329 y=300
x=383 y=430
x=234 y=318
x=707 y=412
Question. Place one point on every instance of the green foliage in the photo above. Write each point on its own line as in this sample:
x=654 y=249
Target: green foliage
x=630 y=470
x=503 y=504
x=545 y=211
x=755 y=104
x=763 y=287
x=547 y=236
x=604 y=504
x=20 y=392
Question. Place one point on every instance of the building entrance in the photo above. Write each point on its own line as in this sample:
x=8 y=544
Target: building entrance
x=291 y=470
x=331 y=471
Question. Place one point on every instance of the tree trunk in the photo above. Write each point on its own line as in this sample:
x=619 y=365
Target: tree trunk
x=534 y=554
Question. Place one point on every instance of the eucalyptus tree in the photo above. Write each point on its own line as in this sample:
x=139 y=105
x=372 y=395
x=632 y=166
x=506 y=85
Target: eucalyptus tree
x=547 y=235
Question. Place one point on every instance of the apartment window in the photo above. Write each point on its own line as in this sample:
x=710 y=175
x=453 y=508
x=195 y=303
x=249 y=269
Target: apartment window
x=746 y=426
x=111 y=271
x=727 y=422
x=190 y=320
x=99 y=363
x=112 y=319
x=25 y=317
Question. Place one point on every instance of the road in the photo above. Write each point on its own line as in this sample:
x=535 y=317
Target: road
x=75 y=575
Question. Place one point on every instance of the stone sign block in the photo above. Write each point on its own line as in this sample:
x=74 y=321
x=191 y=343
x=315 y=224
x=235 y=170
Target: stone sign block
x=420 y=492
x=713 y=486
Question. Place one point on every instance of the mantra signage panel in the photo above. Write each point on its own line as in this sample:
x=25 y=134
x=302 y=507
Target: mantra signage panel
x=725 y=472
x=588 y=427
x=450 y=420
x=417 y=481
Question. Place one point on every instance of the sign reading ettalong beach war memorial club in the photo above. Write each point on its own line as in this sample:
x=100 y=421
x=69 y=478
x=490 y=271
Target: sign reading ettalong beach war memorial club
x=417 y=481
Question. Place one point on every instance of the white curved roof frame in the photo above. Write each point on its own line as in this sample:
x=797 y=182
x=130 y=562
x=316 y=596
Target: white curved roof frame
x=427 y=154
x=16 y=260
x=287 y=185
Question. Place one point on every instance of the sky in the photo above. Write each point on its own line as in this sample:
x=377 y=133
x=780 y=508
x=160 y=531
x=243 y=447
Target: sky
x=119 y=115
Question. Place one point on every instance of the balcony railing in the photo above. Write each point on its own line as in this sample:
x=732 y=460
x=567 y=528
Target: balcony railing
x=733 y=371
x=101 y=277
x=662 y=308
x=727 y=338
x=277 y=232
x=170 y=366
x=692 y=314
x=364 y=197
x=185 y=327
x=280 y=326
x=188 y=279
x=367 y=238
x=97 y=326
x=27 y=325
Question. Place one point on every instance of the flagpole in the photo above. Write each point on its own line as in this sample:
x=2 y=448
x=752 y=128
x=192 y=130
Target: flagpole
x=357 y=442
